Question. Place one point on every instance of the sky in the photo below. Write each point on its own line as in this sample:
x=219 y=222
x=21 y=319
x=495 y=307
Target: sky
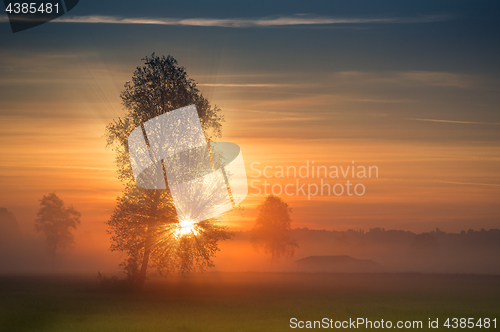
x=412 y=88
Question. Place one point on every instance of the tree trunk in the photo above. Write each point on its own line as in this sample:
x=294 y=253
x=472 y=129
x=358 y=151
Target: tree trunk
x=141 y=277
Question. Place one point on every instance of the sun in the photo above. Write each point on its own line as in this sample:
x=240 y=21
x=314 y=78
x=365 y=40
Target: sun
x=186 y=227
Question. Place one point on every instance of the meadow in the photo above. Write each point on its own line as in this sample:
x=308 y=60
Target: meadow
x=218 y=301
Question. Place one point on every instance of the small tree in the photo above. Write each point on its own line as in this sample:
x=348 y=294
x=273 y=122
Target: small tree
x=9 y=229
x=56 y=221
x=8 y=224
x=272 y=229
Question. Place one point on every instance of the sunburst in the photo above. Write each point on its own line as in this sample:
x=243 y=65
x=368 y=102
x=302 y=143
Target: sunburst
x=186 y=227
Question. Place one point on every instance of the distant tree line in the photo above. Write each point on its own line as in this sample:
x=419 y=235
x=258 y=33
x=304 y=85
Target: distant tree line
x=403 y=251
x=425 y=239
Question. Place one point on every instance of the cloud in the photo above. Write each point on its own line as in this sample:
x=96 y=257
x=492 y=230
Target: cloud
x=452 y=121
x=299 y=19
x=470 y=183
x=436 y=78
x=411 y=78
x=229 y=85
x=442 y=181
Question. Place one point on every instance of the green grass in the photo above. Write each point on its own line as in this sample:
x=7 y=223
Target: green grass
x=242 y=301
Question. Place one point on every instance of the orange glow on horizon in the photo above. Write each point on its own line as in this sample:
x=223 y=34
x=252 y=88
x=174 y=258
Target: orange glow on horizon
x=424 y=181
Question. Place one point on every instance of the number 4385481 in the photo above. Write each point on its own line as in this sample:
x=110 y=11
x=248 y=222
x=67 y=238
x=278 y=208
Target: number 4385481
x=470 y=323
x=32 y=8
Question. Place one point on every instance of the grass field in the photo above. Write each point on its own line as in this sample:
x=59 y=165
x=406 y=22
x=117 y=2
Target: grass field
x=242 y=301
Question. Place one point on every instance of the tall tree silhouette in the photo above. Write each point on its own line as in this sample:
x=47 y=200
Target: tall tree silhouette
x=56 y=221
x=272 y=229
x=144 y=223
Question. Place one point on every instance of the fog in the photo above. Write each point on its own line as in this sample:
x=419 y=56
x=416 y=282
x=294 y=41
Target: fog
x=471 y=252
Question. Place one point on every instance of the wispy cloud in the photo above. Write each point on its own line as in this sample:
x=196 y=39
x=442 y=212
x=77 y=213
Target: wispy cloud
x=452 y=121
x=442 y=79
x=470 y=183
x=229 y=85
x=299 y=19
x=411 y=78
x=442 y=181
x=58 y=166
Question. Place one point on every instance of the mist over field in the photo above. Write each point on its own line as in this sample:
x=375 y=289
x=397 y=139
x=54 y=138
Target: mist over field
x=467 y=252
x=476 y=252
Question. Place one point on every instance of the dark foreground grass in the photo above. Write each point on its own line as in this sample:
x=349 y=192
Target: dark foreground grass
x=243 y=301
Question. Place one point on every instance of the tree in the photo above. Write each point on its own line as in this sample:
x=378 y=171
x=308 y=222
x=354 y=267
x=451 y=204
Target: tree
x=272 y=229
x=144 y=223
x=8 y=223
x=56 y=221
x=9 y=228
